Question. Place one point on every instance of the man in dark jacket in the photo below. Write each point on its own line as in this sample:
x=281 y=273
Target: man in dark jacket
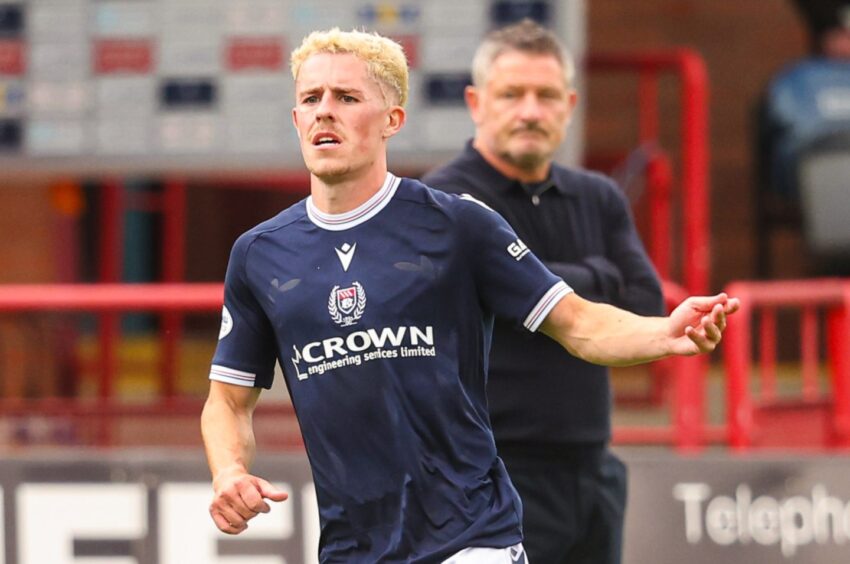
x=551 y=411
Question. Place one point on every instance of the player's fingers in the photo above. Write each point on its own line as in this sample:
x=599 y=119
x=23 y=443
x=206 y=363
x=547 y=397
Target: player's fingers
x=228 y=522
x=732 y=305
x=253 y=500
x=268 y=491
x=230 y=501
x=244 y=512
x=235 y=517
x=707 y=303
x=220 y=521
x=718 y=316
x=699 y=338
x=712 y=331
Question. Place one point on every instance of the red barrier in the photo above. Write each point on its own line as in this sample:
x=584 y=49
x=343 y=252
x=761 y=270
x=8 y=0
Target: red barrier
x=107 y=300
x=687 y=430
x=111 y=297
x=688 y=67
x=662 y=192
x=103 y=412
x=811 y=419
x=170 y=203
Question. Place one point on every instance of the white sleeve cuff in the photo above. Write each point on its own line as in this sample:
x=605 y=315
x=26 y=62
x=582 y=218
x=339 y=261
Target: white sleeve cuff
x=545 y=305
x=232 y=376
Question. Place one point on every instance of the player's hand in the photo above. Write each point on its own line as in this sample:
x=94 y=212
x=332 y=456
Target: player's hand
x=239 y=497
x=697 y=324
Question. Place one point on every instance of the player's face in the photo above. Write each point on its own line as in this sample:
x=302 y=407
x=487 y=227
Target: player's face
x=342 y=117
x=522 y=112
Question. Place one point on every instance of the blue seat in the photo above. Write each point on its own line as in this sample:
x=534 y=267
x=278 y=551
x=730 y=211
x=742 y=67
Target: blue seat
x=804 y=104
x=804 y=155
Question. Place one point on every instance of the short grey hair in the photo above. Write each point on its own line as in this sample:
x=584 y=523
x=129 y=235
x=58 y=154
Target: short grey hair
x=525 y=36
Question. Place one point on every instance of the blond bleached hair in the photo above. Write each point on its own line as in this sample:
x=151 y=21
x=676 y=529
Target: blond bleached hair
x=384 y=58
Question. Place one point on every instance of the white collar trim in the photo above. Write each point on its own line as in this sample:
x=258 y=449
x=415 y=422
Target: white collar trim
x=361 y=214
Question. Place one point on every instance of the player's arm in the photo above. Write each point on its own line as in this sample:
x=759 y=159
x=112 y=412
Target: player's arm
x=604 y=334
x=228 y=433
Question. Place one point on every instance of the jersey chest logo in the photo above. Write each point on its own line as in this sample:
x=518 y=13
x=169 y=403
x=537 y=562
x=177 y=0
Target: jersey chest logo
x=345 y=254
x=346 y=305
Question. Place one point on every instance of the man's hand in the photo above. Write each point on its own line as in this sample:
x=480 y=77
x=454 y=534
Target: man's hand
x=697 y=324
x=239 y=497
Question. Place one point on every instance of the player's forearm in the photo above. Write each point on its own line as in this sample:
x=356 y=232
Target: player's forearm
x=228 y=436
x=603 y=334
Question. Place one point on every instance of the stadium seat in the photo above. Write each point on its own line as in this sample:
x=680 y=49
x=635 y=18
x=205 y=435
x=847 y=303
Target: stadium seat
x=803 y=140
x=824 y=183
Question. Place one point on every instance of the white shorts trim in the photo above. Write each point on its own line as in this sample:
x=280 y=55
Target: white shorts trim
x=478 y=555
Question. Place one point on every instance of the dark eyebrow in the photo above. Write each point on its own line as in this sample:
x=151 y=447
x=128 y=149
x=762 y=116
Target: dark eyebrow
x=347 y=91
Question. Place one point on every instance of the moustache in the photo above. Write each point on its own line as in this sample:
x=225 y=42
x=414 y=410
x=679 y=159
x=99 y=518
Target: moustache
x=530 y=128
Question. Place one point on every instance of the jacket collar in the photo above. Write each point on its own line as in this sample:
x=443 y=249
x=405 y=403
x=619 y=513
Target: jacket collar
x=501 y=183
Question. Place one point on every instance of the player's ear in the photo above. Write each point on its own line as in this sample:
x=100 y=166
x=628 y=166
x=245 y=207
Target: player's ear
x=571 y=102
x=473 y=100
x=396 y=117
x=295 y=122
x=572 y=98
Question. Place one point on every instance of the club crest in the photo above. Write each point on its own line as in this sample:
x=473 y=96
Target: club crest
x=346 y=305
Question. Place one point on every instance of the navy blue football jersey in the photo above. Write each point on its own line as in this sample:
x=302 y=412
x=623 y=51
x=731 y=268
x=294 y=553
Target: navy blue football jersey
x=381 y=320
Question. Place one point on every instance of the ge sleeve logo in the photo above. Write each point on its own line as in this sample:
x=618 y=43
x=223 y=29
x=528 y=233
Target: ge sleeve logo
x=517 y=249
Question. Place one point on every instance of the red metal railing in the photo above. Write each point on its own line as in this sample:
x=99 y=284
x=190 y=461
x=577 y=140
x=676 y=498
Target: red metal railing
x=811 y=418
x=109 y=300
x=686 y=430
x=686 y=377
x=688 y=67
x=170 y=203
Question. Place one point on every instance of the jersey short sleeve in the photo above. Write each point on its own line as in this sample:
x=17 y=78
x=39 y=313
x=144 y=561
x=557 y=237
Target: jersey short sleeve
x=512 y=282
x=245 y=354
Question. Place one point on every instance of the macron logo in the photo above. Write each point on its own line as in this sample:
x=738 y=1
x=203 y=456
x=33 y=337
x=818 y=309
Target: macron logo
x=346 y=254
x=517 y=249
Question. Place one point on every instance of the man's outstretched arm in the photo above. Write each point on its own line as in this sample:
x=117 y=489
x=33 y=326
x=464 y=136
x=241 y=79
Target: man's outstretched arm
x=604 y=334
x=227 y=429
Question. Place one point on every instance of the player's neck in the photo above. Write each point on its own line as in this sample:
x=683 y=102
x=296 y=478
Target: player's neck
x=340 y=195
